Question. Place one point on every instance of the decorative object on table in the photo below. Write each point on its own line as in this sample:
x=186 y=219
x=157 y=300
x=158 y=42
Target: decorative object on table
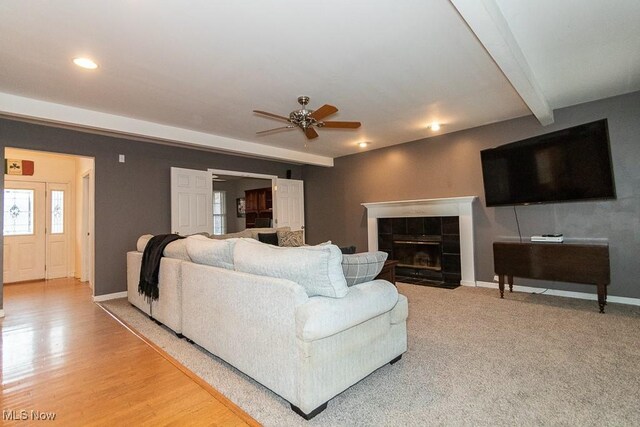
x=240 y=207
x=18 y=167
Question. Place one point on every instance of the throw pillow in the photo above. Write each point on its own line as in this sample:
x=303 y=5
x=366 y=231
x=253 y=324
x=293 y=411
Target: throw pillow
x=217 y=253
x=269 y=238
x=362 y=267
x=290 y=238
x=316 y=268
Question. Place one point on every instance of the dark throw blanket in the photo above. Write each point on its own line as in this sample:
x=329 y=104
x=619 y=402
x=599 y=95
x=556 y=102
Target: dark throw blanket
x=150 y=268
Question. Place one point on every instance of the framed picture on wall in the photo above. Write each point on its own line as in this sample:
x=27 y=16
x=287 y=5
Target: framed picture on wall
x=240 y=207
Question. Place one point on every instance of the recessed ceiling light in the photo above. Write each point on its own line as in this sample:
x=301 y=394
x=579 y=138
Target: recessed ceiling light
x=362 y=144
x=85 y=63
x=435 y=126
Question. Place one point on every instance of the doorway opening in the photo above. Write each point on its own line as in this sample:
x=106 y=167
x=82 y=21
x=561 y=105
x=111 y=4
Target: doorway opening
x=48 y=217
x=241 y=202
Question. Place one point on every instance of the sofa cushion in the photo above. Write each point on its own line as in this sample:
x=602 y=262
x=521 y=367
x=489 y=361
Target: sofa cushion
x=290 y=238
x=268 y=238
x=362 y=267
x=217 y=253
x=142 y=242
x=317 y=269
x=322 y=317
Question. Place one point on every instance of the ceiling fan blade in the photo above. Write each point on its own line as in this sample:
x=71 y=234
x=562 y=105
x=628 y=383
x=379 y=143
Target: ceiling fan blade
x=311 y=133
x=324 y=111
x=275 y=129
x=273 y=116
x=343 y=125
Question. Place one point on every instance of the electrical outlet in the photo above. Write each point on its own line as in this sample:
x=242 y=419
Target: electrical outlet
x=495 y=278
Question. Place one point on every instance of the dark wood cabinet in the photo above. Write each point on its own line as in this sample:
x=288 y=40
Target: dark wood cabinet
x=258 y=205
x=563 y=262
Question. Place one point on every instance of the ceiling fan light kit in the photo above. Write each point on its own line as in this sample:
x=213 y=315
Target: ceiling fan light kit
x=307 y=120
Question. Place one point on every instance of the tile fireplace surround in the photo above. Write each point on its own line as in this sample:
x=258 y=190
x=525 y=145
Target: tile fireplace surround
x=461 y=207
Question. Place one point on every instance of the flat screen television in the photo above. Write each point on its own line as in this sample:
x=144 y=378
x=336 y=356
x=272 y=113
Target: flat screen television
x=568 y=165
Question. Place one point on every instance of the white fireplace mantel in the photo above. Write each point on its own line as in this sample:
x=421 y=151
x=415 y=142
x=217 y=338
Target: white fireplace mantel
x=461 y=207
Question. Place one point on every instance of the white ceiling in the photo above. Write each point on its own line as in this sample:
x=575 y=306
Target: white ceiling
x=192 y=72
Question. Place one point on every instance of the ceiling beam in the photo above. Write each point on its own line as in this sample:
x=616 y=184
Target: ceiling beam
x=95 y=121
x=486 y=20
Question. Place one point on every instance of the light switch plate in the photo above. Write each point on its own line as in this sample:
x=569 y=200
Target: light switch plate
x=121 y=158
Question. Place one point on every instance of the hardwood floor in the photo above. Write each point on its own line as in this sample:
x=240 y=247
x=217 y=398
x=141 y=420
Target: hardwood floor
x=63 y=354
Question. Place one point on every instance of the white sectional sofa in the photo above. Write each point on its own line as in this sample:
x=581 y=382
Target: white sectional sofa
x=238 y=299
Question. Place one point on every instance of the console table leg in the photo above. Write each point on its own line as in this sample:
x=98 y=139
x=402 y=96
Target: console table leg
x=602 y=296
x=510 y=279
x=501 y=285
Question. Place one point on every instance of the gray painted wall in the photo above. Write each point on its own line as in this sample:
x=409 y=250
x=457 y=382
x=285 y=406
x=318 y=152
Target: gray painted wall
x=449 y=166
x=131 y=198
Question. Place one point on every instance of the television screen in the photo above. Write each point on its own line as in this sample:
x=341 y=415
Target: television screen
x=567 y=165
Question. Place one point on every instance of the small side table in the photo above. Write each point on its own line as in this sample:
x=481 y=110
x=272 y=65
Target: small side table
x=388 y=271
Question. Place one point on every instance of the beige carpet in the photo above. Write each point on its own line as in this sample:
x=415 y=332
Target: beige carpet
x=473 y=360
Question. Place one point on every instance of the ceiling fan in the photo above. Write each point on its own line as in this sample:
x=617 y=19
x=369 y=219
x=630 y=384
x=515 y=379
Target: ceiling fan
x=307 y=119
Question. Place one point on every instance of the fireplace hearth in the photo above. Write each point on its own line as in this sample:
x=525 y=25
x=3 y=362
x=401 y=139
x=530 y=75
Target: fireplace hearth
x=427 y=249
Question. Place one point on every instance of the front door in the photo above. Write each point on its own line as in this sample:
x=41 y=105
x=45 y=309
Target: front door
x=24 y=231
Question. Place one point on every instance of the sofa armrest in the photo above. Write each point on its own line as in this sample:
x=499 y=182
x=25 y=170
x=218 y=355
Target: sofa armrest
x=321 y=317
x=400 y=312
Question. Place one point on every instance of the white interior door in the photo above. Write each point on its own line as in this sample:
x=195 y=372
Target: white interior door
x=24 y=231
x=191 y=201
x=86 y=230
x=290 y=203
x=57 y=231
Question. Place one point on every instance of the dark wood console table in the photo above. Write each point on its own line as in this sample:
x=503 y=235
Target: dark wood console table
x=388 y=272
x=563 y=262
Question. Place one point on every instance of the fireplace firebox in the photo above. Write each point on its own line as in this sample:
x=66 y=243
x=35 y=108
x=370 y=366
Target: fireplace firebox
x=427 y=249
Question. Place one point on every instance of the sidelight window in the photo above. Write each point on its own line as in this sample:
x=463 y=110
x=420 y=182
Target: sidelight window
x=57 y=211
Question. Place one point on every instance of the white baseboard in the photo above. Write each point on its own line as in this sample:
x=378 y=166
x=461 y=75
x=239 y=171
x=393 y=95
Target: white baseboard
x=467 y=283
x=1 y=313
x=99 y=298
x=559 y=293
